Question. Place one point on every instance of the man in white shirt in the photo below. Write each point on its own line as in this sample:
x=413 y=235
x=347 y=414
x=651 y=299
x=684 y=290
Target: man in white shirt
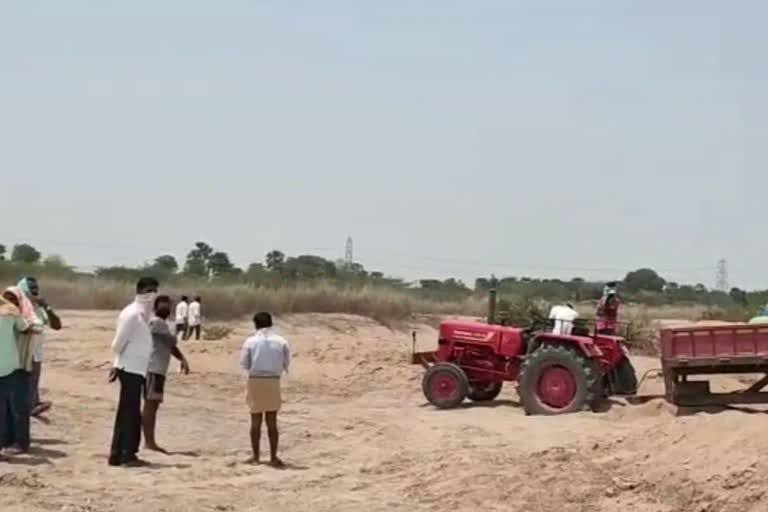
x=182 y=311
x=194 y=318
x=265 y=357
x=132 y=347
x=563 y=317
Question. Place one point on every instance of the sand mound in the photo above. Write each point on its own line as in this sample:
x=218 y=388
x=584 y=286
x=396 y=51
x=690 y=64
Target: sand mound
x=358 y=435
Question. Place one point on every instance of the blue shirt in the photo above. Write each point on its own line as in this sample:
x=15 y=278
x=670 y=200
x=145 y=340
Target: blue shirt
x=265 y=355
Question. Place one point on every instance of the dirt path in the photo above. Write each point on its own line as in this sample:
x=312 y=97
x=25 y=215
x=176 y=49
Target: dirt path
x=359 y=437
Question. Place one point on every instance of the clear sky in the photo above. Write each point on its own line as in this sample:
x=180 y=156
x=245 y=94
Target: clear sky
x=446 y=137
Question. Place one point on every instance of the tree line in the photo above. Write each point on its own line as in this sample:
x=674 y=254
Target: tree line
x=203 y=261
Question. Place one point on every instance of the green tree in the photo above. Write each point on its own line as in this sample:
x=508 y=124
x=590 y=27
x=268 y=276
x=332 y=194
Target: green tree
x=166 y=264
x=2 y=252
x=739 y=296
x=275 y=261
x=218 y=264
x=25 y=253
x=308 y=266
x=54 y=261
x=197 y=260
x=644 y=279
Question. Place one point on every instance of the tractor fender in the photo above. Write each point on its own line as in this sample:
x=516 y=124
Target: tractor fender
x=586 y=345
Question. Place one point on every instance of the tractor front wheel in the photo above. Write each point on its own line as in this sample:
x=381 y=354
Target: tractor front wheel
x=445 y=385
x=484 y=391
x=557 y=379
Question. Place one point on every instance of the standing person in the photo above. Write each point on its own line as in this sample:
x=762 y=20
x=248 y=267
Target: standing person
x=265 y=356
x=163 y=346
x=19 y=427
x=195 y=318
x=132 y=347
x=182 y=310
x=608 y=310
x=11 y=325
x=47 y=317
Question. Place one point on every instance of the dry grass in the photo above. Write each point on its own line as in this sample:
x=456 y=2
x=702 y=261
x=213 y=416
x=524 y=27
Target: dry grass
x=225 y=302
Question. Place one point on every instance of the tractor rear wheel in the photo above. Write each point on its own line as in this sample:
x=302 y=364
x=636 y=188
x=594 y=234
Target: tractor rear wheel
x=445 y=385
x=557 y=379
x=484 y=391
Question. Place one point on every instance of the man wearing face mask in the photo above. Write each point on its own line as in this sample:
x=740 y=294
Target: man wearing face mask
x=132 y=347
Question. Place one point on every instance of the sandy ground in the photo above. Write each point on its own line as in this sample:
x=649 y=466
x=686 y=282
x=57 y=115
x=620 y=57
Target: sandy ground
x=358 y=436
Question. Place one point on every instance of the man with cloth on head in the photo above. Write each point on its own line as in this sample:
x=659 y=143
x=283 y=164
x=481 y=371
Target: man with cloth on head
x=37 y=307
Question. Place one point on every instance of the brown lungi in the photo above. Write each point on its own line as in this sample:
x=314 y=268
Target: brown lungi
x=263 y=394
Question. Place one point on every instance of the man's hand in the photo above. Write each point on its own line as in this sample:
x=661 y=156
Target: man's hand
x=185 y=366
x=40 y=301
x=113 y=372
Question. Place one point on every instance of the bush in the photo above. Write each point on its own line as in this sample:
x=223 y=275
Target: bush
x=216 y=332
x=728 y=314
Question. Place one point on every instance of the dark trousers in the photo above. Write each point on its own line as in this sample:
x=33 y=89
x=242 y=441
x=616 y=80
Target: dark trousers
x=7 y=411
x=17 y=410
x=34 y=389
x=193 y=329
x=126 y=437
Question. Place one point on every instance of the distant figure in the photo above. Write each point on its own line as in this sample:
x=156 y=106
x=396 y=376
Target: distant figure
x=608 y=310
x=48 y=318
x=265 y=356
x=563 y=317
x=182 y=310
x=195 y=318
x=132 y=347
x=163 y=346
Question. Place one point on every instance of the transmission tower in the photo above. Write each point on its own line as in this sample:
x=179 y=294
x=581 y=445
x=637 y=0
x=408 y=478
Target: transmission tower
x=348 y=254
x=721 y=280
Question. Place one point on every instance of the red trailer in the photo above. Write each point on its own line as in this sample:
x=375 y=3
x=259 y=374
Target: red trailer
x=710 y=350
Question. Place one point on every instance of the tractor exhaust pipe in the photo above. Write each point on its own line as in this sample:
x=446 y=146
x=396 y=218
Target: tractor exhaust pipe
x=492 y=306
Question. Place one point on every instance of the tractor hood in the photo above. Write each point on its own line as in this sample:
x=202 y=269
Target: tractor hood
x=474 y=331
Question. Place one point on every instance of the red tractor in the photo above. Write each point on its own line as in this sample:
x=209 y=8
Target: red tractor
x=556 y=374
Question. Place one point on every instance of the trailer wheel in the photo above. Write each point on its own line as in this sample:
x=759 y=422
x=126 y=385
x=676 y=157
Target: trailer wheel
x=445 y=385
x=484 y=392
x=556 y=379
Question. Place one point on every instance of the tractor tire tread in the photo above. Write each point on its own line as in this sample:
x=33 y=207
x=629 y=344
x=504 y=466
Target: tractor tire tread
x=593 y=392
x=461 y=377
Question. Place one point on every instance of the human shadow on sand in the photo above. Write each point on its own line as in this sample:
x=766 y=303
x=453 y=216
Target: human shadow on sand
x=717 y=409
x=25 y=460
x=46 y=453
x=49 y=442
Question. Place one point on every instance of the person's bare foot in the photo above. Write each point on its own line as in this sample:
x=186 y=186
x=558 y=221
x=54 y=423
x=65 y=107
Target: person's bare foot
x=277 y=463
x=253 y=461
x=155 y=448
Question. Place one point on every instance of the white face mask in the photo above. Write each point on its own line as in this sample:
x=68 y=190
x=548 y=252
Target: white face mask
x=146 y=302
